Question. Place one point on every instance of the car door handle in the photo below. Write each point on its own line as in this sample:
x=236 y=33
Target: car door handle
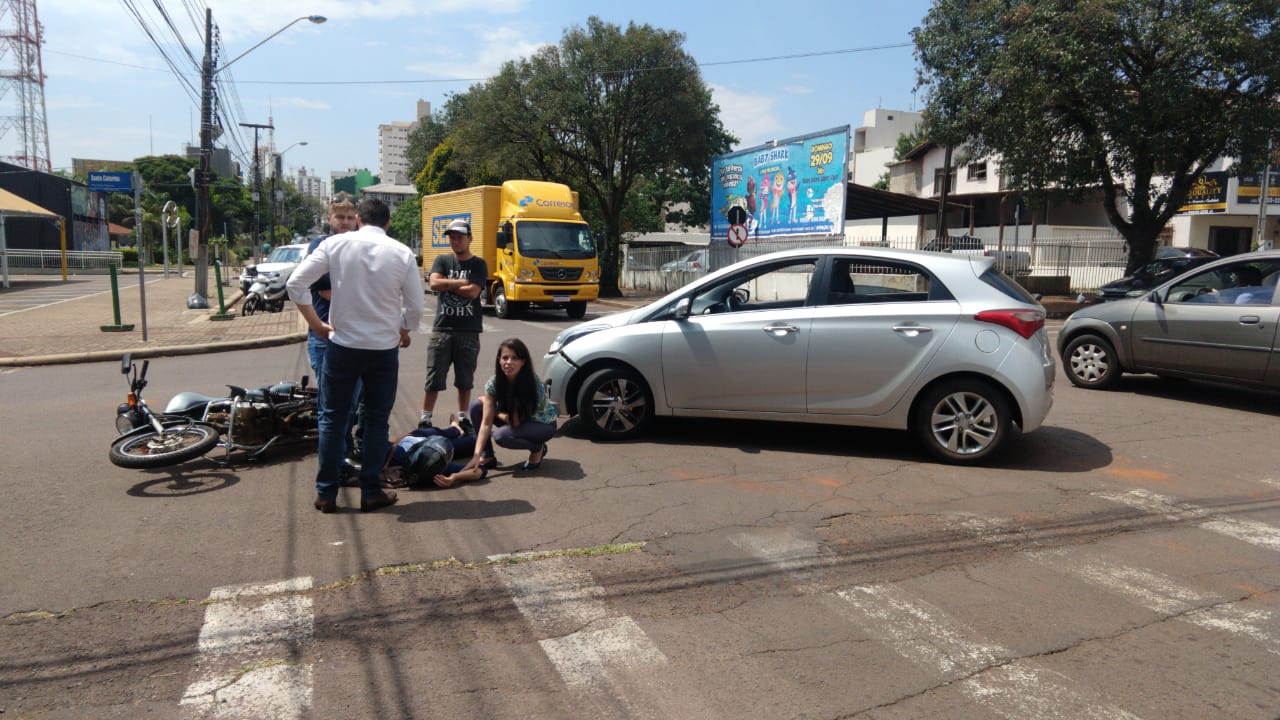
x=780 y=329
x=1250 y=319
x=911 y=330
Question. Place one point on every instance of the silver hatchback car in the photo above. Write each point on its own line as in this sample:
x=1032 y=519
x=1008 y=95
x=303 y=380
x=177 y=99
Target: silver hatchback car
x=943 y=345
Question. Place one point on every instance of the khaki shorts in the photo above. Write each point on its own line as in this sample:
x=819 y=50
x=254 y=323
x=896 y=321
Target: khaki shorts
x=459 y=349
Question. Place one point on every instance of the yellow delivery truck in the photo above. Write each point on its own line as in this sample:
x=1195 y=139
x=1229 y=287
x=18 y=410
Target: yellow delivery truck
x=530 y=234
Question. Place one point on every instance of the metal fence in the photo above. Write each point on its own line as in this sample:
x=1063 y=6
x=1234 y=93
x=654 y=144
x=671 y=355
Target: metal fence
x=37 y=261
x=1088 y=257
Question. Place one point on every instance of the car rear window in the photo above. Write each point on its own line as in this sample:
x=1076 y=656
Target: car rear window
x=1007 y=286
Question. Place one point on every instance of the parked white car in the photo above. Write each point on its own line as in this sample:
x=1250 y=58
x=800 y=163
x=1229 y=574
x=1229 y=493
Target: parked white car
x=276 y=268
x=695 y=261
x=945 y=346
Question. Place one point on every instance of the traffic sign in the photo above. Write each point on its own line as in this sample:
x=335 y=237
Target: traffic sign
x=111 y=181
x=737 y=235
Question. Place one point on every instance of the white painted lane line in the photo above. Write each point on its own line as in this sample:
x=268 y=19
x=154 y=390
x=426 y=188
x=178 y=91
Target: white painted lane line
x=592 y=646
x=1161 y=594
x=69 y=299
x=989 y=674
x=243 y=669
x=1250 y=531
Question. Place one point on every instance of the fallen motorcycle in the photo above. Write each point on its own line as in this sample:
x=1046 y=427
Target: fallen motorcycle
x=192 y=424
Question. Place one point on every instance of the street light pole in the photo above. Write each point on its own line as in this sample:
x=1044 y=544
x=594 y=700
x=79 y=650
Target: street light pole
x=277 y=166
x=200 y=298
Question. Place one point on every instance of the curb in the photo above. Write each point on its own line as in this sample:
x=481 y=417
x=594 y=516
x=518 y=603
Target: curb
x=167 y=351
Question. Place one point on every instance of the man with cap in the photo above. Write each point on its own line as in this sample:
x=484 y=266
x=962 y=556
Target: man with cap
x=457 y=279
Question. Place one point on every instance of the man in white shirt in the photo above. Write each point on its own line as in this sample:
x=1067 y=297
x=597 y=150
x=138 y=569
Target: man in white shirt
x=377 y=298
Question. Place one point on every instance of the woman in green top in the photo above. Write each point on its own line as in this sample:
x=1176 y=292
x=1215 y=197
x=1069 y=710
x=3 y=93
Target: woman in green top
x=514 y=410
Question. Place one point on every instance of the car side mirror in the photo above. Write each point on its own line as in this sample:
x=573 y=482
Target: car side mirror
x=1155 y=298
x=681 y=310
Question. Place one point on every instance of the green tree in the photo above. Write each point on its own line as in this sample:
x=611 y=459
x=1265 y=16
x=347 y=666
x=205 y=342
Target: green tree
x=599 y=112
x=423 y=140
x=440 y=173
x=1129 y=99
x=406 y=221
x=909 y=141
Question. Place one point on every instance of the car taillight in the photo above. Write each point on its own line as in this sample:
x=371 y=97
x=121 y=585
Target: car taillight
x=1023 y=322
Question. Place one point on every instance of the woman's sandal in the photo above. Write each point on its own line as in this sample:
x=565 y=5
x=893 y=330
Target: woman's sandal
x=541 y=456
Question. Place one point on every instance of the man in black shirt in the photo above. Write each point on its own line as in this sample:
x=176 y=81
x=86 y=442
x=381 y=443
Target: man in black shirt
x=457 y=280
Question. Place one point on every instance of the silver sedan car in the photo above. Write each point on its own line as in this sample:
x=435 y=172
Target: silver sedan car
x=945 y=346
x=1216 y=322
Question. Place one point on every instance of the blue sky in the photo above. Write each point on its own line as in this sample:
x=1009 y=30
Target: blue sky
x=110 y=95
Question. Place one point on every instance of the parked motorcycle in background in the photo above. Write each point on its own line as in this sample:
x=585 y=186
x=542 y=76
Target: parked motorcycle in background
x=267 y=292
x=192 y=424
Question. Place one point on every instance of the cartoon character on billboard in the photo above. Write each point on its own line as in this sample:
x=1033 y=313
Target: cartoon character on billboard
x=791 y=192
x=779 y=181
x=763 y=190
x=751 y=199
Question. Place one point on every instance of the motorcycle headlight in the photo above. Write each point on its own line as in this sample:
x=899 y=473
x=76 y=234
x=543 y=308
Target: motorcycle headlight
x=569 y=335
x=124 y=423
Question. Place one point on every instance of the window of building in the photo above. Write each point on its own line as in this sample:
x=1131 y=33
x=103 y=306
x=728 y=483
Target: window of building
x=940 y=176
x=978 y=171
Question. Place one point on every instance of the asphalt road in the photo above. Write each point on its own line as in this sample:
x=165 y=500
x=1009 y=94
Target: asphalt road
x=1120 y=562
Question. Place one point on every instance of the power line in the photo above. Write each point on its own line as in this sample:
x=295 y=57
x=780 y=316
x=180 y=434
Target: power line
x=332 y=83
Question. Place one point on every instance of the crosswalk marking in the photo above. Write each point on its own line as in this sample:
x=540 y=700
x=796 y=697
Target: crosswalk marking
x=249 y=632
x=1250 y=531
x=1160 y=594
x=588 y=640
x=989 y=674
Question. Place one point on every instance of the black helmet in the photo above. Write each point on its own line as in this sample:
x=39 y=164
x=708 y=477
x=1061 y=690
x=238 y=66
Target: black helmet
x=426 y=460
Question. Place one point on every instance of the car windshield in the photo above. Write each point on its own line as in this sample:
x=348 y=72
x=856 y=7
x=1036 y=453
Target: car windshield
x=285 y=255
x=543 y=239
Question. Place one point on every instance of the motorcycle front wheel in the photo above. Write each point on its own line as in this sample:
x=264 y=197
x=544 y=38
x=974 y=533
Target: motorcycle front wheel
x=250 y=304
x=178 y=443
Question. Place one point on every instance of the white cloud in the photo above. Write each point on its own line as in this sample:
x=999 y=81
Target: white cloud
x=752 y=118
x=488 y=49
x=303 y=103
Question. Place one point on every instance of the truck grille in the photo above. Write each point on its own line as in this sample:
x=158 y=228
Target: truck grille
x=560 y=274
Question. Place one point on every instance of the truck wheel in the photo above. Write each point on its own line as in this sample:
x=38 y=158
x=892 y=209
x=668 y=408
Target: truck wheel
x=501 y=307
x=577 y=309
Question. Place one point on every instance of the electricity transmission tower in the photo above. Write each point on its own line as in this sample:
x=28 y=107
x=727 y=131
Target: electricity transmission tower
x=22 y=85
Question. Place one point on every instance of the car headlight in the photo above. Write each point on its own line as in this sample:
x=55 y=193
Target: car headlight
x=569 y=335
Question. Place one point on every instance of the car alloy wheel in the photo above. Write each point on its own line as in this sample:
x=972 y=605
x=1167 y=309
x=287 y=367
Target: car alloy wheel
x=615 y=404
x=963 y=421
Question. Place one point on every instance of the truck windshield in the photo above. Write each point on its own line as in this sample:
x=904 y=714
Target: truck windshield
x=540 y=239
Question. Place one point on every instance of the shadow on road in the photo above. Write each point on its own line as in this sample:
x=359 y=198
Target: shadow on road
x=1049 y=449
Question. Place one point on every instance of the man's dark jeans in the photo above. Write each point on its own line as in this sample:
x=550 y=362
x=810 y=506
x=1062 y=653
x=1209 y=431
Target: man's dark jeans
x=344 y=367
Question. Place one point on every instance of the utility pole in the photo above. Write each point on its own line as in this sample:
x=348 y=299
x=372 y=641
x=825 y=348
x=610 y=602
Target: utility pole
x=257 y=184
x=200 y=298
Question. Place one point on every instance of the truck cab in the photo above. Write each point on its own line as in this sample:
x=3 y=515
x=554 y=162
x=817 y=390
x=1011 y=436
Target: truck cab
x=539 y=250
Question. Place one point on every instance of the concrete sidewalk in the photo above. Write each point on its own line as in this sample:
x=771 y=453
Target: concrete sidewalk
x=69 y=331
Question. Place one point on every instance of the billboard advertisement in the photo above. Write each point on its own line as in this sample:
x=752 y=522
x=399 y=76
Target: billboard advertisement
x=792 y=187
x=1249 y=191
x=1207 y=195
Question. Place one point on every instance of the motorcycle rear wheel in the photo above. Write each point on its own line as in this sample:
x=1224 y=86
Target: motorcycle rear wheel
x=179 y=442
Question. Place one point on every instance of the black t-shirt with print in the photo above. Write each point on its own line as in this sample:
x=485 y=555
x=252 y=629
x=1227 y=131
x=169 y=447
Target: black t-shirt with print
x=454 y=312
